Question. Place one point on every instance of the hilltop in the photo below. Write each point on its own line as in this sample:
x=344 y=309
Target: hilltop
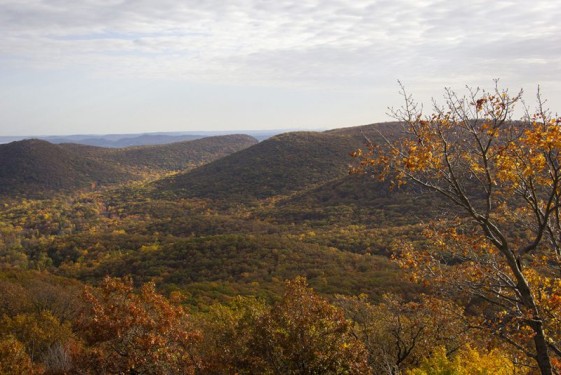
x=279 y=166
x=35 y=168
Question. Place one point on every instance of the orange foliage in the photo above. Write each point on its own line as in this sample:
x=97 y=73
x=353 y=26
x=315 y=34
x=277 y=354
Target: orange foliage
x=13 y=358
x=136 y=332
x=303 y=333
x=501 y=250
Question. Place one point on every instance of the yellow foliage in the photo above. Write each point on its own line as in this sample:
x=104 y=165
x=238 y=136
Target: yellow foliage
x=468 y=361
x=37 y=332
x=13 y=358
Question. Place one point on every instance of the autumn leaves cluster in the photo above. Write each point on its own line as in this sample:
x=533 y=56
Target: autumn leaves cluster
x=122 y=329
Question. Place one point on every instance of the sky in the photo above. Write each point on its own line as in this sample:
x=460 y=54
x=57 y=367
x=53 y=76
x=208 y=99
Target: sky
x=133 y=66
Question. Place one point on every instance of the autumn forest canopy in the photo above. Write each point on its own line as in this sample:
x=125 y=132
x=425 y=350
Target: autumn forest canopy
x=426 y=245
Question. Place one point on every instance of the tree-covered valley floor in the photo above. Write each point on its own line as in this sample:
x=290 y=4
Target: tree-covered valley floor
x=292 y=273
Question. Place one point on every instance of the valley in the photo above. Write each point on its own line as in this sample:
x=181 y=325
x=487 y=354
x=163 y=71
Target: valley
x=225 y=231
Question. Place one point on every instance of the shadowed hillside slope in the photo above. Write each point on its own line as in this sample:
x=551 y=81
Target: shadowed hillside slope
x=169 y=157
x=359 y=199
x=35 y=168
x=38 y=168
x=280 y=165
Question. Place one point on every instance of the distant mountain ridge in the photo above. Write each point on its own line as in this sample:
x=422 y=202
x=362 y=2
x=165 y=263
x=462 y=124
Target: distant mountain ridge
x=141 y=139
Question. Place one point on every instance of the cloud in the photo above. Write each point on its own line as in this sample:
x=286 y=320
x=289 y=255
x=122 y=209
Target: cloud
x=329 y=43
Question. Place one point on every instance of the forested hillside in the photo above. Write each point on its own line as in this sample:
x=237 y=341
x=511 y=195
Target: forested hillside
x=223 y=255
x=176 y=156
x=279 y=166
x=34 y=168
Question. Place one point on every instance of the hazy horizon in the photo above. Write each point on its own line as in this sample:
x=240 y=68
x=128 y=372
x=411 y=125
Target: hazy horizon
x=122 y=66
x=179 y=132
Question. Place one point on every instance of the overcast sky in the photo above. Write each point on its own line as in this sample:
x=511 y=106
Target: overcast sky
x=129 y=66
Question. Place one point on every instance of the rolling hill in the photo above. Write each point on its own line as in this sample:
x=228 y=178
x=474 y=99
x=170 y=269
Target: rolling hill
x=168 y=157
x=37 y=168
x=279 y=166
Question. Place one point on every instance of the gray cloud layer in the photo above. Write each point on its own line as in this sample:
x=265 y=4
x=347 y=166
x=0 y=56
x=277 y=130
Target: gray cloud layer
x=309 y=43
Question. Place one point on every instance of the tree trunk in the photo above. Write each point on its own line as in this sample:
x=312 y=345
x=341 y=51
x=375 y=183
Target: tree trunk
x=540 y=342
x=542 y=353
